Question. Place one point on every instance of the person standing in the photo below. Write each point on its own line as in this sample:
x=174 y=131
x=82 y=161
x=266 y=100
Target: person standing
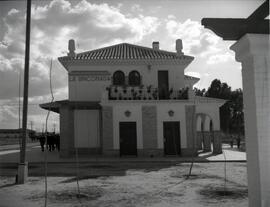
x=231 y=142
x=42 y=142
x=238 y=141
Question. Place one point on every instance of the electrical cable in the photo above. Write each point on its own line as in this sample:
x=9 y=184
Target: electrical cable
x=225 y=172
x=46 y=139
x=77 y=175
x=193 y=135
x=20 y=134
x=76 y=150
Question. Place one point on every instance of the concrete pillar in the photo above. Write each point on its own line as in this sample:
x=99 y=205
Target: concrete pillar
x=149 y=131
x=206 y=141
x=252 y=50
x=217 y=144
x=22 y=175
x=199 y=140
x=107 y=132
x=66 y=131
x=191 y=92
x=191 y=132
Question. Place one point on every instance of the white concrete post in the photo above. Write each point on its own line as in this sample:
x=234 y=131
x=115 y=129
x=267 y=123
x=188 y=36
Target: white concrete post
x=252 y=50
x=191 y=92
x=22 y=173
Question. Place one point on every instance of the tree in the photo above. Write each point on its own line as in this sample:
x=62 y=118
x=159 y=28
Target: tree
x=237 y=119
x=222 y=91
x=231 y=113
x=199 y=92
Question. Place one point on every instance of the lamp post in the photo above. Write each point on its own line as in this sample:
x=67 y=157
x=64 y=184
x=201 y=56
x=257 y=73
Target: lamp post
x=23 y=166
x=20 y=143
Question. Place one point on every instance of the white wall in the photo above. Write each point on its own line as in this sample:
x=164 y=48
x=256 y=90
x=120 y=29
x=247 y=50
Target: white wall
x=212 y=110
x=179 y=115
x=86 y=128
x=119 y=116
x=162 y=115
x=199 y=123
x=91 y=90
x=136 y=116
x=86 y=90
x=207 y=124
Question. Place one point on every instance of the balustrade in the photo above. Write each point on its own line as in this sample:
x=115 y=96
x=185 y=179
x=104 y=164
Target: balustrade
x=145 y=93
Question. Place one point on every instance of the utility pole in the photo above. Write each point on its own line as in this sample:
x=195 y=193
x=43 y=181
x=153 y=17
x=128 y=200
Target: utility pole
x=23 y=165
x=20 y=134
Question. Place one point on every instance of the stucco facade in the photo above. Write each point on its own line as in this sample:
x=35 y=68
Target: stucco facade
x=128 y=100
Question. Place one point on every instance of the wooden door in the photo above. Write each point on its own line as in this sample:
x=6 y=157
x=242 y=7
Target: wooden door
x=128 y=138
x=171 y=132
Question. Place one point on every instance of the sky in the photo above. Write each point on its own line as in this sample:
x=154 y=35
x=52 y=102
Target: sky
x=99 y=23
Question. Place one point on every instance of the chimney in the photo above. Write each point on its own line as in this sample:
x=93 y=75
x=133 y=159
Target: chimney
x=179 y=47
x=155 y=45
x=71 y=48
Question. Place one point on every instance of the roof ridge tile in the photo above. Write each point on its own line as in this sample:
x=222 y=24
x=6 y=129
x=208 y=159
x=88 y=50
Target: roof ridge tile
x=124 y=51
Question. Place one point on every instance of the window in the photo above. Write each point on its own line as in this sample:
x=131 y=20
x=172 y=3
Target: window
x=134 y=78
x=118 y=78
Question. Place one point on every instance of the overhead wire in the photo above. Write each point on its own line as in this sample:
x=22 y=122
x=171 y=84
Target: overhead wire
x=46 y=140
x=20 y=135
x=225 y=173
x=76 y=148
x=193 y=135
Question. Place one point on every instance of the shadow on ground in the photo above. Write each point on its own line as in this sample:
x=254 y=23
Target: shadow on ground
x=70 y=194
x=85 y=170
x=220 y=192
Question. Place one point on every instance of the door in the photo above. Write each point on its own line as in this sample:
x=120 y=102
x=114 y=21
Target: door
x=163 y=84
x=171 y=132
x=128 y=138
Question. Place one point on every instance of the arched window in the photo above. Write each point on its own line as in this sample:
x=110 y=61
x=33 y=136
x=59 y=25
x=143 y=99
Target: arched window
x=134 y=78
x=118 y=78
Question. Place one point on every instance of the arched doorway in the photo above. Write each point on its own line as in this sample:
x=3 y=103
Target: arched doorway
x=204 y=132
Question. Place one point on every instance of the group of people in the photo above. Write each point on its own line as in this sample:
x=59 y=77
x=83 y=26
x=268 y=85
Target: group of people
x=238 y=141
x=53 y=141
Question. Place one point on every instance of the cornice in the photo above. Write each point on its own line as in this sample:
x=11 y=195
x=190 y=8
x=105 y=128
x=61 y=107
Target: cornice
x=185 y=60
x=251 y=45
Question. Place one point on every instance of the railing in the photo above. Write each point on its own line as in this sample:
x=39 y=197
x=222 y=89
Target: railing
x=142 y=93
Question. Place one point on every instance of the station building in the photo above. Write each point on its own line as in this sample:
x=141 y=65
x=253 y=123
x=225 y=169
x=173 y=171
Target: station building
x=129 y=100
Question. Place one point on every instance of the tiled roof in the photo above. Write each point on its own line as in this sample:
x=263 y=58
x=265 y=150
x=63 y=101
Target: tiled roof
x=56 y=105
x=125 y=51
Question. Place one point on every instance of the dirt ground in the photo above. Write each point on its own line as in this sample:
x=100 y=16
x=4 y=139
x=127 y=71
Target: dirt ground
x=149 y=187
